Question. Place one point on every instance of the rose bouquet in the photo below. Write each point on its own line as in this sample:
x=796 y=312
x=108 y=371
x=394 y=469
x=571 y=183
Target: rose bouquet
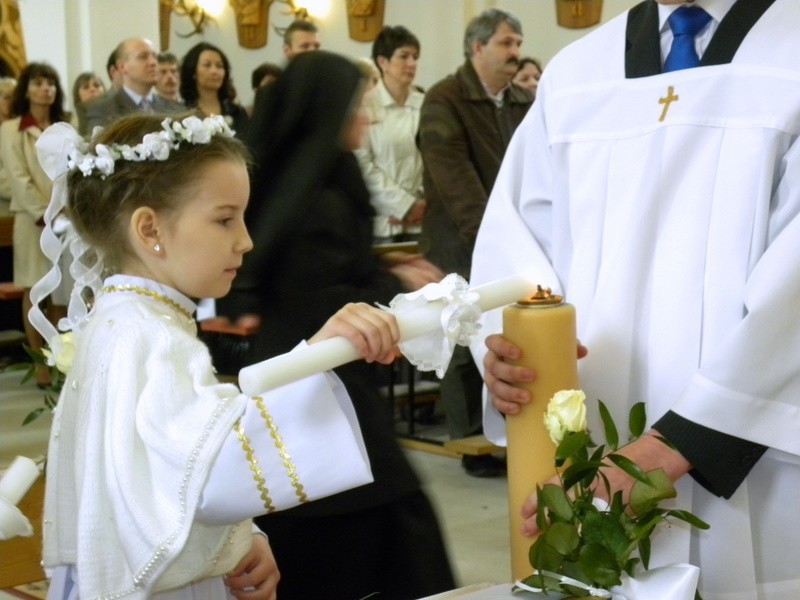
x=586 y=545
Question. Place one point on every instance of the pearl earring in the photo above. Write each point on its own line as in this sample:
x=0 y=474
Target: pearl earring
x=157 y=247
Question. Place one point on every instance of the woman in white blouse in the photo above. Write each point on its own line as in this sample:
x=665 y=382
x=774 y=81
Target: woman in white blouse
x=390 y=160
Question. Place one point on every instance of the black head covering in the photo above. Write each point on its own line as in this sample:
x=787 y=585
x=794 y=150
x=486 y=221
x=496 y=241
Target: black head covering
x=296 y=140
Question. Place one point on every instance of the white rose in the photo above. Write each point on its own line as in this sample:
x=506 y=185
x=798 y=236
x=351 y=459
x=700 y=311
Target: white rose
x=555 y=427
x=62 y=354
x=566 y=411
x=156 y=145
x=198 y=132
x=104 y=162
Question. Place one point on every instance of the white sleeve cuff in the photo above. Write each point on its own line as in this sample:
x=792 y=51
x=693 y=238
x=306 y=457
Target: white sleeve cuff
x=294 y=444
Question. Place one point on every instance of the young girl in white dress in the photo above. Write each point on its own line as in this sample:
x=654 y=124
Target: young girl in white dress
x=154 y=467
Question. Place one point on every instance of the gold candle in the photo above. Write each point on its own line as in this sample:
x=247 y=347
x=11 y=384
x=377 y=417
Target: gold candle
x=543 y=326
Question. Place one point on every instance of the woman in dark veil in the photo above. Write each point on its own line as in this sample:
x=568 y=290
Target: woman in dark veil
x=311 y=222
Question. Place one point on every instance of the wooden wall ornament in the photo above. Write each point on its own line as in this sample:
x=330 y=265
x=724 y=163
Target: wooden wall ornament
x=183 y=8
x=12 y=44
x=365 y=19
x=164 y=14
x=252 y=22
x=577 y=14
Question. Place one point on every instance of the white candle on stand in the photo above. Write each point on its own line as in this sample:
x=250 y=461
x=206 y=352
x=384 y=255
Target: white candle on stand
x=335 y=352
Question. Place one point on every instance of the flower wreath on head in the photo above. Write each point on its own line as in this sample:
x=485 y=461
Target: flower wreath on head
x=62 y=150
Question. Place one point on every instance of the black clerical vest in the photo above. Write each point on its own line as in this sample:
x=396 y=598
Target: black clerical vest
x=643 y=46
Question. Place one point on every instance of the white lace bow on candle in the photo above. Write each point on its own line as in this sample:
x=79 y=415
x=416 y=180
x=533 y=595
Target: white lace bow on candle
x=459 y=322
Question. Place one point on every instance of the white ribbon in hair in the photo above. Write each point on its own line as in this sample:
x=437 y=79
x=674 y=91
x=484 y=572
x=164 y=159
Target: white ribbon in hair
x=432 y=352
x=54 y=147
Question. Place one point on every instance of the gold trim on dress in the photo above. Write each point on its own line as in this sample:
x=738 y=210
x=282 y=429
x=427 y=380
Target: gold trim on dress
x=145 y=292
x=250 y=454
x=291 y=469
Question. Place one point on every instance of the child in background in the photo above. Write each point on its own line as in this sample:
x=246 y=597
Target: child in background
x=154 y=467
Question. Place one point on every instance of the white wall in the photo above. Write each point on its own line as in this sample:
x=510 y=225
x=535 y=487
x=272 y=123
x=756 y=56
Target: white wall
x=78 y=35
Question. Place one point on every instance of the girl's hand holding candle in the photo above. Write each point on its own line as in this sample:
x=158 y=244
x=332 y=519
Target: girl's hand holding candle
x=427 y=317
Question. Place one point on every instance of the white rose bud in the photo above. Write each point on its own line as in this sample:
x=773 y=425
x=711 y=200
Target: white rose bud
x=63 y=353
x=568 y=409
x=555 y=427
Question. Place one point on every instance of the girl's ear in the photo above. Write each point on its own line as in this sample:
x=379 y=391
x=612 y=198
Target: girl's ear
x=144 y=230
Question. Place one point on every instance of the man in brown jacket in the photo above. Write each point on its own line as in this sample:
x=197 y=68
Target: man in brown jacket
x=466 y=123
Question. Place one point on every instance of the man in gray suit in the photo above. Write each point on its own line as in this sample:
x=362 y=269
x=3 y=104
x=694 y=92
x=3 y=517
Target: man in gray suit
x=137 y=61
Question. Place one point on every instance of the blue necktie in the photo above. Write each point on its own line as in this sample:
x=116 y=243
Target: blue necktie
x=686 y=23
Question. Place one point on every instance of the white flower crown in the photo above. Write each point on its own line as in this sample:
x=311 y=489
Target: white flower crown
x=60 y=150
x=154 y=146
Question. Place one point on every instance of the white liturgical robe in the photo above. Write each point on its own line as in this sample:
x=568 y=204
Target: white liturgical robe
x=667 y=210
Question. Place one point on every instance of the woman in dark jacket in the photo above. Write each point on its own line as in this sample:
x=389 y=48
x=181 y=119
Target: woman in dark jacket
x=206 y=85
x=311 y=222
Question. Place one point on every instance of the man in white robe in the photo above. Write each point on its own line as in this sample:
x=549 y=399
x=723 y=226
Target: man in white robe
x=666 y=207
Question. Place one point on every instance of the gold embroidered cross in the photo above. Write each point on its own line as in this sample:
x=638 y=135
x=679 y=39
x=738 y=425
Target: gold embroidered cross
x=666 y=101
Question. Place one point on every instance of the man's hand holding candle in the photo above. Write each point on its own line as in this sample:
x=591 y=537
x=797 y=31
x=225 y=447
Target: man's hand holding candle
x=501 y=377
x=648 y=451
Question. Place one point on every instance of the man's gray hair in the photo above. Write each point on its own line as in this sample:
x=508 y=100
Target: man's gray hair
x=482 y=27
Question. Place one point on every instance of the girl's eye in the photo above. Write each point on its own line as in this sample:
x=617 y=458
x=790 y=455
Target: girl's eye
x=226 y=221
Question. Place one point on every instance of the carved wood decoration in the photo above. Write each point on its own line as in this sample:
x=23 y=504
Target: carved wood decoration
x=12 y=46
x=164 y=12
x=577 y=14
x=365 y=19
x=252 y=22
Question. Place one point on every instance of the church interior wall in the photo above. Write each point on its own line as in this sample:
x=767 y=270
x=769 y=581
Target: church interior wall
x=78 y=35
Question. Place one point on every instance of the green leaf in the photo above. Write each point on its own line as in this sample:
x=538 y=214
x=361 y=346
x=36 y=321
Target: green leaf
x=569 y=446
x=544 y=557
x=665 y=441
x=600 y=565
x=563 y=537
x=28 y=375
x=646 y=496
x=617 y=508
x=36 y=355
x=543 y=582
x=23 y=366
x=644 y=552
x=612 y=437
x=688 y=517
x=602 y=528
x=32 y=416
x=637 y=419
x=643 y=525
x=630 y=467
x=541 y=513
x=555 y=499
x=630 y=566
x=576 y=472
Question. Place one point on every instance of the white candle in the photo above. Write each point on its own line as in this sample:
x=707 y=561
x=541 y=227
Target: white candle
x=335 y=352
x=18 y=479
